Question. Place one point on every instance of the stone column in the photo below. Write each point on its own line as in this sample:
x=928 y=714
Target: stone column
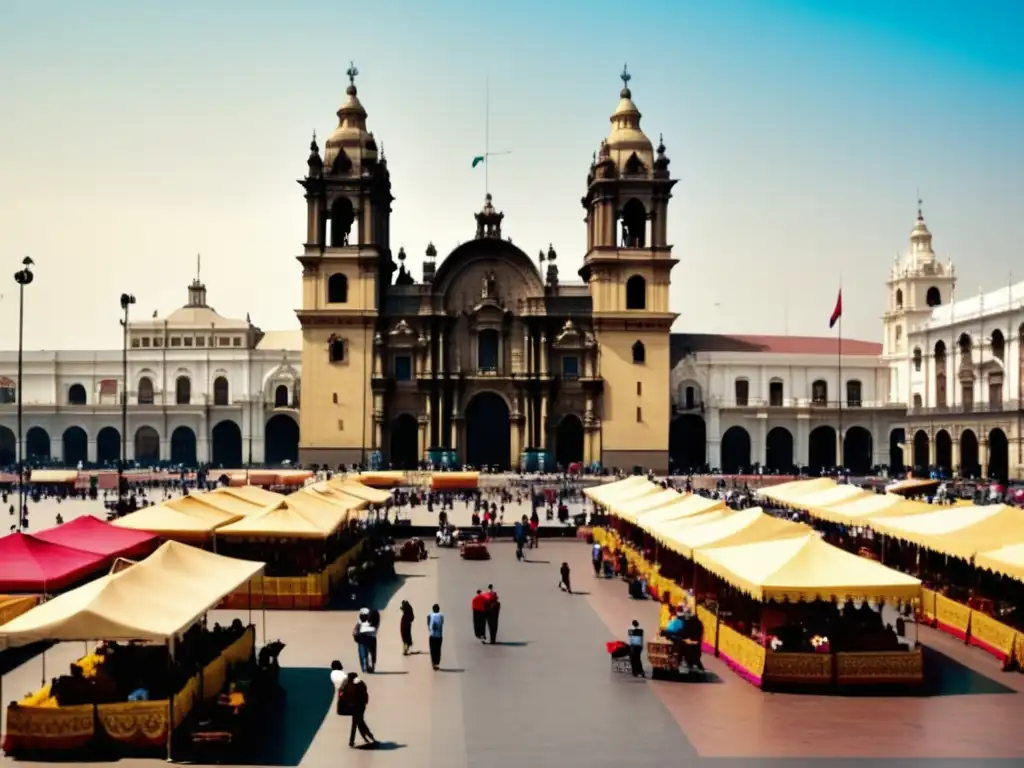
x=955 y=457
x=455 y=422
x=430 y=422
x=527 y=354
x=440 y=352
x=983 y=457
x=528 y=429
x=377 y=360
x=515 y=442
x=931 y=450
x=430 y=355
x=761 y=450
x=378 y=421
x=91 y=451
x=840 y=459
x=543 y=355
x=544 y=419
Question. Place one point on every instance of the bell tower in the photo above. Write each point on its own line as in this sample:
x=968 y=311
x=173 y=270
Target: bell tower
x=627 y=267
x=346 y=268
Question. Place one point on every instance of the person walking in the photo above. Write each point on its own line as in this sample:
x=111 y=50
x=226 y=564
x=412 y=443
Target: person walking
x=435 y=631
x=565 y=584
x=597 y=555
x=491 y=612
x=352 y=701
x=636 y=649
x=405 y=627
x=365 y=635
x=479 y=606
x=338 y=680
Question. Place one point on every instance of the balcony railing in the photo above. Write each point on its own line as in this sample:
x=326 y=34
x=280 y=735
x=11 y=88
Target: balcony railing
x=1002 y=406
x=762 y=403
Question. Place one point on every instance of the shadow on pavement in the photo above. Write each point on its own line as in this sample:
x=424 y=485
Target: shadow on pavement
x=296 y=718
x=946 y=676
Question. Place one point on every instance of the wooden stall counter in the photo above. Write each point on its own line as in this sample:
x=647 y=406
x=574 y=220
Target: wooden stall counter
x=880 y=668
x=797 y=669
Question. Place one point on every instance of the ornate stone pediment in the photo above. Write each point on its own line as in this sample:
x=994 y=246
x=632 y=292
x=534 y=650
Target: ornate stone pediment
x=402 y=334
x=570 y=337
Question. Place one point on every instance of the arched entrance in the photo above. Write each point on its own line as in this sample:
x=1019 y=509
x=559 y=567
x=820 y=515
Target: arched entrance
x=998 y=455
x=943 y=452
x=897 y=464
x=687 y=443
x=8 y=447
x=821 y=449
x=921 y=451
x=405 y=441
x=735 y=451
x=76 y=446
x=226 y=451
x=108 y=446
x=281 y=440
x=37 y=445
x=183 y=446
x=147 y=446
x=969 y=464
x=778 y=450
x=858 y=451
x=569 y=441
x=488 y=434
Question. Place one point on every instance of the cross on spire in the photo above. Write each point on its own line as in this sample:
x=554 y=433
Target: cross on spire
x=199 y=265
x=920 y=203
x=626 y=77
x=352 y=73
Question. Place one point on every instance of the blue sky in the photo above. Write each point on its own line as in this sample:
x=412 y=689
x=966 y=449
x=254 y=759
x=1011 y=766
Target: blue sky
x=136 y=134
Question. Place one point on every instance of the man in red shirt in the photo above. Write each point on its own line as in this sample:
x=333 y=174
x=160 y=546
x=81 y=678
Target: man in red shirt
x=492 y=607
x=479 y=606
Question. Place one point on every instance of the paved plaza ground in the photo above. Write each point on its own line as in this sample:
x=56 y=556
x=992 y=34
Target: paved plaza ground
x=545 y=695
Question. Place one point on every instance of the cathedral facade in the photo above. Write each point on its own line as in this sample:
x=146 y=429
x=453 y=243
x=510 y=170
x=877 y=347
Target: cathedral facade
x=489 y=358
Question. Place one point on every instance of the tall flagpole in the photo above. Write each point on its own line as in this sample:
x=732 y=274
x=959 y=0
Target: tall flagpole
x=487 y=135
x=839 y=365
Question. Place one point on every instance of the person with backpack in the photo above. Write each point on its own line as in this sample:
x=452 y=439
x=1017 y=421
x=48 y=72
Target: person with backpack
x=365 y=635
x=353 y=698
x=435 y=630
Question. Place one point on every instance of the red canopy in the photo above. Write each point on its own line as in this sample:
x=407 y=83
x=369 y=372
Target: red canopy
x=90 y=534
x=28 y=564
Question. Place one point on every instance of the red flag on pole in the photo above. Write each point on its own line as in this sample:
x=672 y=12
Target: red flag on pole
x=838 y=311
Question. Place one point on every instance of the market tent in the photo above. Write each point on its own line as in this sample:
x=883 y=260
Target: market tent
x=665 y=531
x=292 y=476
x=805 y=568
x=253 y=494
x=201 y=504
x=828 y=496
x=796 y=488
x=90 y=534
x=389 y=478
x=913 y=486
x=743 y=527
x=630 y=493
x=680 y=509
x=288 y=519
x=153 y=600
x=958 y=531
x=360 y=491
x=1006 y=561
x=599 y=493
x=324 y=493
x=29 y=564
x=876 y=505
x=631 y=509
x=54 y=476
x=442 y=481
x=170 y=523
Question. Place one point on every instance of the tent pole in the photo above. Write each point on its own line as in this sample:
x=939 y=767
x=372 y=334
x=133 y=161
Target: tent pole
x=263 y=611
x=170 y=698
x=250 y=602
x=44 y=667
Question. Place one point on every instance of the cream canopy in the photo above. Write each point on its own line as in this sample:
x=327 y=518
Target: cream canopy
x=827 y=496
x=864 y=508
x=1006 y=561
x=167 y=521
x=322 y=493
x=805 y=569
x=665 y=531
x=201 y=504
x=795 y=488
x=253 y=494
x=634 y=508
x=360 y=491
x=153 y=600
x=606 y=491
x=743 y=527
x=290 y=519
x=958 y=531
x=680 y=509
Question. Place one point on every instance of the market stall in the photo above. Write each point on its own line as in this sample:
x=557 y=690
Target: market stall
x=133 y=605
x=194 y=525
x=54 y=476
x=221 y=502
x=391 y=478
x=32 y=565
x=631 y=509
x=12 y=606
x=90 y=534
x=253 y=494
x=323 y=493
x=913 y=486
x=360 y=491
x=779 y=620
x=451 y=481
x=602 y=494
x=858 y=511
x=825 y=497
x=742 y=527
x=957 y=531
x=785 y=492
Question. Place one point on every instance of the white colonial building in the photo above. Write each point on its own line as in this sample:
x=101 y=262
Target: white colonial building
x=202 y=388
x=942 y=391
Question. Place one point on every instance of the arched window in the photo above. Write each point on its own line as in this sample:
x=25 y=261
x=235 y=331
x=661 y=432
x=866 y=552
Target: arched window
x=636 y=292
x=145 y=396
x=634 y=224
x=487 y=350
x=899 y=298
x=220 y=391
x=967 y=395
x=940 y=355
x=639 y=353
x=337 y=289
x=281 y=396
x=853 y=393
x=819 y=392
x=690 y=398
x=337 y=350
x=917 y=358
x=742 y=390
x=776 y=392
x=183 y=390
x=965 y=345
x=76 y=395
x=342 y=216
x=8 y=391
x=998 y=345
x=933 y=297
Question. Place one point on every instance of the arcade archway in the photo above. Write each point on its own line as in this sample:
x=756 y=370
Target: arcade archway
x=735 y=451
x=488 y=434
x=858 y=451
x=281 y=440
x=226 y=448
x=998 y=455
x=108 y=446
x=687 y=443
x=821 y=449
x=943 y=451
x=778 y=450
x=75 y=446
x=404 y=442
x=897 y=464
x=147 y=446
x=569 y=441
x=8 y=447
x=921 y=446
x=183 y=447
x=37 y=445
x=969 y=464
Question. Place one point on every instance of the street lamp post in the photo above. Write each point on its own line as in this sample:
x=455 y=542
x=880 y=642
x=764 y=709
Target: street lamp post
x=127 y=300
x=22 y=277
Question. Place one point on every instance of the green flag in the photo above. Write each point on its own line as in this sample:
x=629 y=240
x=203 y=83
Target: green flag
x=477 y=160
